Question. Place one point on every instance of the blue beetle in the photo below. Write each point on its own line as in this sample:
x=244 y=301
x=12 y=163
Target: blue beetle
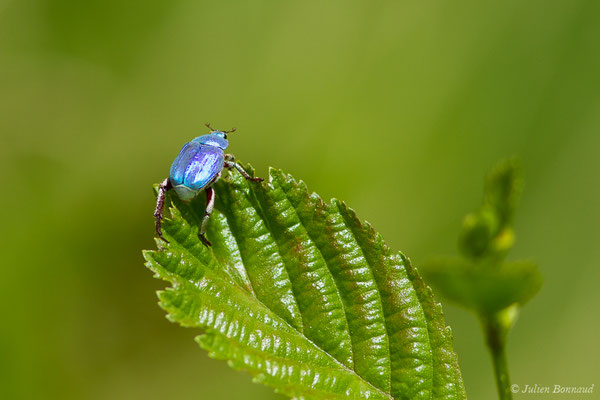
x=197 y=167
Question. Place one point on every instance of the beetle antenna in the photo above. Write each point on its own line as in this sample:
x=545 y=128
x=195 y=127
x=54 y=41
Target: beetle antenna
x=214 y=130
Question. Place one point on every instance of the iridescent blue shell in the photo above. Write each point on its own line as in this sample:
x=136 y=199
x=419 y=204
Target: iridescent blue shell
x=197 y=164
x=213 y=139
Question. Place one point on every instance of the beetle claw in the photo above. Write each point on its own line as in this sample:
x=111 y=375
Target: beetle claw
x=160 y=204
x=158 y=228
x=162 y=237
x=164 y=240
x=204 y=240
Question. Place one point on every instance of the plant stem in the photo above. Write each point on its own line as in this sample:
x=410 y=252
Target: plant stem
x=501 y=372
x=496 y=330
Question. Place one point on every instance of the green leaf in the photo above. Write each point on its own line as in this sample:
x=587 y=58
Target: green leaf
x=503 y=189
x=484 y=288
x=478 y=232
x=304 y=296
x=482 y=281
x=488 y=233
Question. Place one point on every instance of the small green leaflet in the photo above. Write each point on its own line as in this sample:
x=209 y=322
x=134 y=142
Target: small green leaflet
x=304 y=296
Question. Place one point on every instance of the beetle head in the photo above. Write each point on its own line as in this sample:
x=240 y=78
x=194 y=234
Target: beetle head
x=222 y=134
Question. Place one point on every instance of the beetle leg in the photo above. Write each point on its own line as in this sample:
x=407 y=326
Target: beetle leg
x=230 y=163
x=160 y=205
x=210 y=205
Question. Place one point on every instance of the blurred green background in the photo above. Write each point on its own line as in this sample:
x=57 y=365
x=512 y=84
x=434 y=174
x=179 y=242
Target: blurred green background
x=398 y=107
